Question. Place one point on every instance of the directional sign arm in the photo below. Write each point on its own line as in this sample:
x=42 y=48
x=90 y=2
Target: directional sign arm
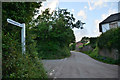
x=14 y=22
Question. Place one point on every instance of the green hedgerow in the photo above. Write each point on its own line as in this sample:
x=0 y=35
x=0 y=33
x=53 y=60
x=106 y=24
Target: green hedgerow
x=18 y=65
x=110 y=39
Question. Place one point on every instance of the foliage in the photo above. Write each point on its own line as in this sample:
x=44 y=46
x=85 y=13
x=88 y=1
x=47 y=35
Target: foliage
x=72 y=46
x=84 y=40
x=94 y=54
x=93 y=42
x=86 y=44
x=80 y=46
x=16 y=65
x=89 y=41
x=54 y=32
x=110 y=39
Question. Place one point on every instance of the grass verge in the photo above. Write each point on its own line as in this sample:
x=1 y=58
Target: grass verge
x=94 y=54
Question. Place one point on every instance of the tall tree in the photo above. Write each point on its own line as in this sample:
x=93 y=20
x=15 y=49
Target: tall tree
x=54 y=31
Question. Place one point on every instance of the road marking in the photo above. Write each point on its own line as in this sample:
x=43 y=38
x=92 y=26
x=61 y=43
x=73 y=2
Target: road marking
x=55 y=78
x=51 y=74
x=53 y=70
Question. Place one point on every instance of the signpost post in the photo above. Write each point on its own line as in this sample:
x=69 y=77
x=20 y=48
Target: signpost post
x=22 y=32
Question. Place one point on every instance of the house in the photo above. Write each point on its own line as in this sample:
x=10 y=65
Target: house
x=84 y=41
x=79 y=44
x=112 y=21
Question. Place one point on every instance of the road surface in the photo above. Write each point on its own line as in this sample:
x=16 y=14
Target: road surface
x=79 y=65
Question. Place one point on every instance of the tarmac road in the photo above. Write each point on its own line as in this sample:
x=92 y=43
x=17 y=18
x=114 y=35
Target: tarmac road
x=79 y=65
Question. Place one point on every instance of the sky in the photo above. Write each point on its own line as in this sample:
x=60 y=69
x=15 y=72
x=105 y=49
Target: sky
x=91 y=12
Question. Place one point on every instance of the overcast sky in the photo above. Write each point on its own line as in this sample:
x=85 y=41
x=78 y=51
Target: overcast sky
x=92 y=12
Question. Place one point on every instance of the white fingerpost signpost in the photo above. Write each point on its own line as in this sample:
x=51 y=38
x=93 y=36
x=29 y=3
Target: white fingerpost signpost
x=22 y=32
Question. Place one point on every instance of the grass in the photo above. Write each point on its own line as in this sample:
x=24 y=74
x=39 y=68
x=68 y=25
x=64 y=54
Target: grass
x=86 y=44
x=94 y=54
x=80 y=46
x=83 y=45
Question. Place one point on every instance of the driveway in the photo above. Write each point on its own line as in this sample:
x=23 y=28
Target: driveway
x=79 y=65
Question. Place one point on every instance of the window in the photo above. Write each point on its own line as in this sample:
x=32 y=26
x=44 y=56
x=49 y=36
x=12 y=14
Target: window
x=113 y=25
x=105 y=27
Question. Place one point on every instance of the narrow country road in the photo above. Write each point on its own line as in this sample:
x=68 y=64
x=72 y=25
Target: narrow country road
x=79 y=65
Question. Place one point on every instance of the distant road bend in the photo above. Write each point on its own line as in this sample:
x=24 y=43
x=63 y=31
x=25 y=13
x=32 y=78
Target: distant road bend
x=79 y=65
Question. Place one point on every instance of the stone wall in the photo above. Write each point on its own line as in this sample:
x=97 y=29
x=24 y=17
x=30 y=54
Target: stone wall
x=85 y=48
x=107 y=53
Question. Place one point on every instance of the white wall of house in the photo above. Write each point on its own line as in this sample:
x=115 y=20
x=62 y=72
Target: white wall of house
x=108 y=26
x=105 y=27
x=118 y=23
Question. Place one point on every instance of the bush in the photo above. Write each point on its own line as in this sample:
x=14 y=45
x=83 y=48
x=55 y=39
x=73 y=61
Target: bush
x=110 y=39
x=72 y=46
x=94 y=54
x=52 y=50
x=93 y=41
x=54 y=34
x=23 y=66
x=16 y=65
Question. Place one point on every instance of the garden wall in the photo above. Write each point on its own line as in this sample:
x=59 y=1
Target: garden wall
x=107 y=53
x=85 y=48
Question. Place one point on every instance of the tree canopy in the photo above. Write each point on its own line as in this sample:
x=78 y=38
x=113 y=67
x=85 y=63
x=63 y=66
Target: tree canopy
x=54 y=31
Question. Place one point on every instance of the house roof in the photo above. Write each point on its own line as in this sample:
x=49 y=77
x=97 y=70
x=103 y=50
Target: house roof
x=78 y=42
x=111 y=18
